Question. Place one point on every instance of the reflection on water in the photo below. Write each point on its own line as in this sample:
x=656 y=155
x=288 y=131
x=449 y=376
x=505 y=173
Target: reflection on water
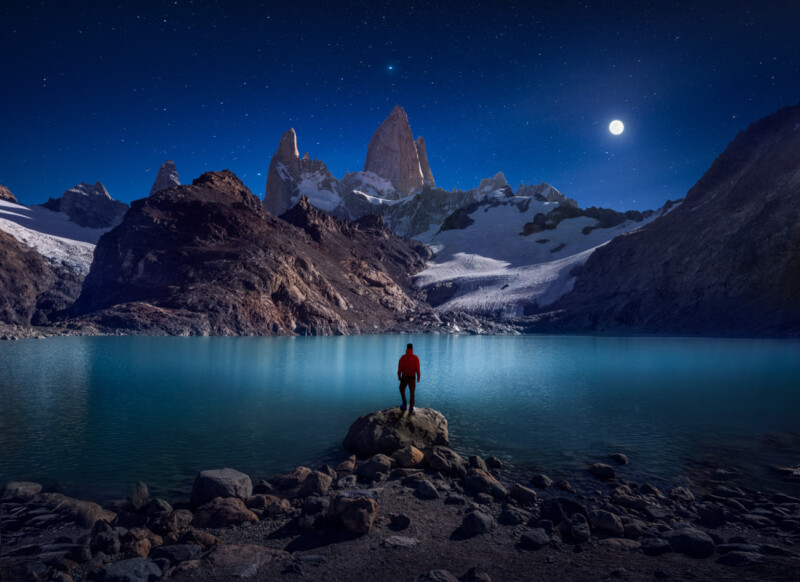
x=90 y=415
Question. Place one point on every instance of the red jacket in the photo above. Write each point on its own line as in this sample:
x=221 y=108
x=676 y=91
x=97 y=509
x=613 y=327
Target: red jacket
x=408 y=366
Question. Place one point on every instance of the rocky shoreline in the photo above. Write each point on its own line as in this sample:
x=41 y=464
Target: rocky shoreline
x=405 y=506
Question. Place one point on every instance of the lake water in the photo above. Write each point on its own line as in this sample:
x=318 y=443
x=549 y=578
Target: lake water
x=90 y=415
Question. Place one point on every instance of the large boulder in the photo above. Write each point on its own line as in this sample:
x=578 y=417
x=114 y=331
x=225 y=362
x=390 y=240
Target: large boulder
x=387 y=431
x=220 y=483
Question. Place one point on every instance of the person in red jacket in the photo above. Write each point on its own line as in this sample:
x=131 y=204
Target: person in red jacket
x=408 y=374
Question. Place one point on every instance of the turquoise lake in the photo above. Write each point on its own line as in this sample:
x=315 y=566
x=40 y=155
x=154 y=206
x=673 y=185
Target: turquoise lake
x=88 y=416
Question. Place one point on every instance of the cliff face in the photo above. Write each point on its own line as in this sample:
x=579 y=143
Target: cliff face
x=32 y=289
x=392 y=154
x=726 y=261
x=88 y=205
x=209 y=259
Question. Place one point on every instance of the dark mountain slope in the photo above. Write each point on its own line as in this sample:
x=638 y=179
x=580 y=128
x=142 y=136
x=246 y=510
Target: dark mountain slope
x=32 y=289
x=725 y=262
x=209 y=259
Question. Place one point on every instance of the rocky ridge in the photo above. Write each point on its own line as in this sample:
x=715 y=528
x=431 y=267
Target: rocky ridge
x=88 y=205
x=722 y=263
x=208 y=259
x=415 y=513
x=33 y=290
x=5 y=194
x=167 y=177
x=396 y=184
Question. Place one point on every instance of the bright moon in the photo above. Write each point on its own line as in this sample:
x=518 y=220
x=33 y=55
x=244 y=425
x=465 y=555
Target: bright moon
x=616 y=127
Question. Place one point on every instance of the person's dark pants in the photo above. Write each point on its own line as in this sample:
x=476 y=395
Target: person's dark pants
x=411 y=382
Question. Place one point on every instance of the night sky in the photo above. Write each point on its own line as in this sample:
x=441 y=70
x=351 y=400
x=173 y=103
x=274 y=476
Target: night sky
x=109 y=90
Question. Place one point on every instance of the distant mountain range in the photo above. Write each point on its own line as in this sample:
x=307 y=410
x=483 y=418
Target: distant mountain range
x=322 y=255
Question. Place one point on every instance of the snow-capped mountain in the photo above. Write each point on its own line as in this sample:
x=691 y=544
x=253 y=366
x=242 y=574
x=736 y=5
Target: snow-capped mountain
x=509 y=254
x=52 y=234
x=397 y=182
x=89 y=205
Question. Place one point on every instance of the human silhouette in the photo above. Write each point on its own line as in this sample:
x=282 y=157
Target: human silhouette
x=408 y=374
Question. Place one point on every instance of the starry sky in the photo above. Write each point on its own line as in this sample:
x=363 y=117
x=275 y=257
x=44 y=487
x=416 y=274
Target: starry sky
x=109 y=90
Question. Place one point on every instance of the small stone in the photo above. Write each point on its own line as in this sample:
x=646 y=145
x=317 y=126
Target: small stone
x=357 y=514
x=535 y=539
x=222 y=512
x=409 y=457
x=262 y=487
x=655 y=546
x=484 y=499
x=690 y=541
x=494 y=463
x=315 y=505
x=106 y=542
x=564 y=486
x=400 y=542
x=483 y=482
x=261 y=501
x=681 y=494
x=139 y=496
x=157 y=507
x=602 y=471
x=541 y=481
x=426 y=490
x=513 y=516
x=399 y=520
x=347 y=466
x=523 y=494
x=453 y=499
x=619 y=458
x=201 y=538
x=376 y=464
x=220 y=483
x=606 y=522
x=477 y=463
x=293 y=479
x=177 y=553
x=446 y=460
x=476 y=523
x=316 y=484
x=648 y=489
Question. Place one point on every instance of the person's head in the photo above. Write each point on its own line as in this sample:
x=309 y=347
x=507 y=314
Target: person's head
x=410 y=347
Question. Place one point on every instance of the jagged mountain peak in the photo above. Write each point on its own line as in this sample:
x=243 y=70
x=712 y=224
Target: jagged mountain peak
x=392 y=154
x=167 y=177
x=89 y=205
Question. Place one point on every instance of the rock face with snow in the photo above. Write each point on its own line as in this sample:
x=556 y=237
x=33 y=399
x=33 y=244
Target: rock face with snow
x=507 y=255
x=397 y=182
x=392 y=154
x=88 y=205
x=32 y=289
x=427 y=175
x=724 y=262
x=208 y=259
x=5 y=194
x=167 y=177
